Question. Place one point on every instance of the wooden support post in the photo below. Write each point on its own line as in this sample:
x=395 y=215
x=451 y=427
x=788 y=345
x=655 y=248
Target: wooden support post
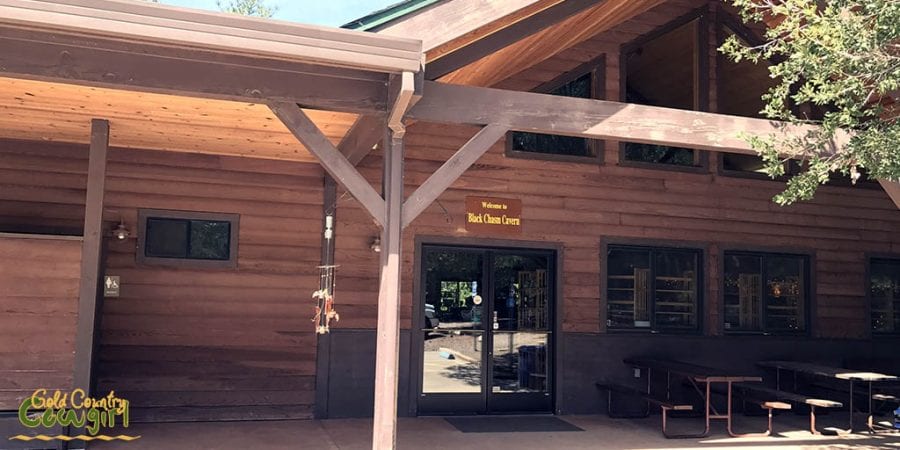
x=384 y=430
x=91 y=249
x=323 y=341
x=450 y=171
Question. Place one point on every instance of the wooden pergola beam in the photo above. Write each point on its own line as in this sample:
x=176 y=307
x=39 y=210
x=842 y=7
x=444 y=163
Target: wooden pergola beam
x=36 y=55
x=306 y=131
x=597 y=119
x=450 y=171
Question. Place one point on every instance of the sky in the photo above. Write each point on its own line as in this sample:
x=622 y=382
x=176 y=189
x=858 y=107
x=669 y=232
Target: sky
x=319 y=12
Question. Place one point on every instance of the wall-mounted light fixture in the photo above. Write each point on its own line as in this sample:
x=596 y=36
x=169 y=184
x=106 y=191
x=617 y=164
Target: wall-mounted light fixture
x=120 y=232
x=375 y=245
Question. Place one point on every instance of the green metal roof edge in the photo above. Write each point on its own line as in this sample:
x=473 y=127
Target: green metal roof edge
x=391 y=13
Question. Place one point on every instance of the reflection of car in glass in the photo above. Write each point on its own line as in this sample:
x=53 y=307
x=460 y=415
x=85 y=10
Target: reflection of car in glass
x=431 y=321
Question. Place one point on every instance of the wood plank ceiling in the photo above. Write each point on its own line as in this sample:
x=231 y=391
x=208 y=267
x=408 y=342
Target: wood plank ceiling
x=36 y=110
x=44 y=111
x=542 y=45
x=450 y=26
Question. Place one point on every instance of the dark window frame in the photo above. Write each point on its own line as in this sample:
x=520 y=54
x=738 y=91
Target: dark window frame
x=808 y=291
x=143 y=259
x=699 y=249
x=724 y=21
x=597 y=70
x=700 y=83
x=870 y=257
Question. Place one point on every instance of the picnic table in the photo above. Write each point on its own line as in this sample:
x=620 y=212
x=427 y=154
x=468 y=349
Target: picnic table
x=836 y=373
x=707 y=376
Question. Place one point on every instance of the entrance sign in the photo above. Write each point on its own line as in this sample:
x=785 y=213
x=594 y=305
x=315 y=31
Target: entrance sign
x=494 y=215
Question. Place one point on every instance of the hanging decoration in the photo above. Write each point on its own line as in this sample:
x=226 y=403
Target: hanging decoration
x=325 y=312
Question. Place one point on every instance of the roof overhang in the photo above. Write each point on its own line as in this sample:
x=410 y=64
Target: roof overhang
x=158 y=24
x=186 y=80
x=152 y=48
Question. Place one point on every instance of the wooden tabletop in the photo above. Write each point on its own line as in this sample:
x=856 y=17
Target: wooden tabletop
x=827 y=371
x=697 y=372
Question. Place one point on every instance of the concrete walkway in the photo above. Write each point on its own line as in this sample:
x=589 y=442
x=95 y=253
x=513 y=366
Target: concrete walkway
x=432 y=433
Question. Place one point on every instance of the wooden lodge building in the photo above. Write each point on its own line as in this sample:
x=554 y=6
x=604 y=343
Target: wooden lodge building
x=550 y=233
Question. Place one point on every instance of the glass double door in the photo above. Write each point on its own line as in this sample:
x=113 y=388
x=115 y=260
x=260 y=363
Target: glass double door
x=486 y=336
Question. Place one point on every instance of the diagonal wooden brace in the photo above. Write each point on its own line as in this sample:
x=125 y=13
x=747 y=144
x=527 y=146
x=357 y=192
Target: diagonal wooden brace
x=450 y=171
x=336 y=164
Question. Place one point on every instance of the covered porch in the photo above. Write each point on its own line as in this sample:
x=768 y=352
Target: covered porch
x=338 y=97
x=110 y=108
x=437 y=433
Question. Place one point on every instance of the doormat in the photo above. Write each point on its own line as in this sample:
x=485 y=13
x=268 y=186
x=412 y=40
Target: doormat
x=488 y=424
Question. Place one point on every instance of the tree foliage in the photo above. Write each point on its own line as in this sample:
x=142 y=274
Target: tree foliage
x=256 y=8
x=843 y=57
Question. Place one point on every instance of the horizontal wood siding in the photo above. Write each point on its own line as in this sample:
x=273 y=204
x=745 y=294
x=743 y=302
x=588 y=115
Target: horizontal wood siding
x=579 y=205
x=39 y=301
x=582 y=204
x=192 y=343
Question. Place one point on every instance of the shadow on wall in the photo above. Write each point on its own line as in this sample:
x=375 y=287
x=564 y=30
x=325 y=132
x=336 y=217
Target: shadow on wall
x=588 y=358
x=351 y=374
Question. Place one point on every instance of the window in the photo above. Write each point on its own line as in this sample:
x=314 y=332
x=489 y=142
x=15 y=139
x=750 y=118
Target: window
x=652 y=288
x=583 y=82
x=739 y=165
x=669 y=52
x=884 y=294
x=187 y=239
x=765 y=292
x=741 y=86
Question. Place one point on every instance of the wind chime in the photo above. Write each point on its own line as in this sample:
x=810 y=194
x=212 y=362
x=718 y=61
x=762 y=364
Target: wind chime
x=325 y=312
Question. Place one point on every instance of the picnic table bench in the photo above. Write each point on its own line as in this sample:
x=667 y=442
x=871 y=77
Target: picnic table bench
x=760 y=392
x=837 y=373
x=665 y=404
x=696 y=375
